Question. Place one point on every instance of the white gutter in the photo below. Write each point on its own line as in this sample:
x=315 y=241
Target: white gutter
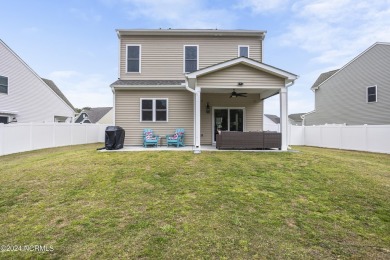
x=188 y=88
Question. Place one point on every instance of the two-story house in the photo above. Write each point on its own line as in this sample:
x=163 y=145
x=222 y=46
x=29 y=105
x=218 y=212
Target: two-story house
x=356 y=94
x=199 y=80
x=25 y=97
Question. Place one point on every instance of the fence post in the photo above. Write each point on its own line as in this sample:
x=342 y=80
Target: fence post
x=1 y=138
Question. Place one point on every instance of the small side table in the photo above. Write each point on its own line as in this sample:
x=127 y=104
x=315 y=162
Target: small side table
x=161 y=139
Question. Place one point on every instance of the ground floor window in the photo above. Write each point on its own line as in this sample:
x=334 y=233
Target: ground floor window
x=154 y=110
x=4 y=119
x=228 y=119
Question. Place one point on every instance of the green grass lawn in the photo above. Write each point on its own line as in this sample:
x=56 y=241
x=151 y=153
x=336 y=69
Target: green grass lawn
x=315 y=203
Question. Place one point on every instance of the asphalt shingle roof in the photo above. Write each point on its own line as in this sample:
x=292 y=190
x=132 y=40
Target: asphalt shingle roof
x=96 y=113
x=296 y=117
x=324 y=76
x=148 y=82
x=273 y=118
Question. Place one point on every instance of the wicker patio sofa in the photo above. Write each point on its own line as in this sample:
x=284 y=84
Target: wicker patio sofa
x=248 y=140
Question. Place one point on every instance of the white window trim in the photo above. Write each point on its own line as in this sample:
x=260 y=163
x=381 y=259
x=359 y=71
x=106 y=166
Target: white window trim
x=140 y=58
x=7 y=86
x=153 y=110
x=238 y=50
x=376 y=94
x=184 y=57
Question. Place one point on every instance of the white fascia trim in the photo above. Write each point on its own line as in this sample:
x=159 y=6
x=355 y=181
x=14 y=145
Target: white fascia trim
x=189 y=32
x=9 y=112
x=249 y=62
x=148 y=87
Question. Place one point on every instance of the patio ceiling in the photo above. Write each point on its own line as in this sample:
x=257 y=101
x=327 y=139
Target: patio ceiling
x=263 y=92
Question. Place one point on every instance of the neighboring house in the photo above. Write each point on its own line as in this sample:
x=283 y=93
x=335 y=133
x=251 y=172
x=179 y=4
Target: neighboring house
x=296 y=119
x=271 y=123
x=356 y=94
x=99 y=115
x=195 y=79
x=25 y=97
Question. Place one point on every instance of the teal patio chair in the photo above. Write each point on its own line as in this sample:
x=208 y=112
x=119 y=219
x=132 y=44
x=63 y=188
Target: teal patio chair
x=177 y=138
x=150 y=138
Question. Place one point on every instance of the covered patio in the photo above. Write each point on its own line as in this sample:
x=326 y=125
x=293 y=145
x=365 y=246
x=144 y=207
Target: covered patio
x=229 y=97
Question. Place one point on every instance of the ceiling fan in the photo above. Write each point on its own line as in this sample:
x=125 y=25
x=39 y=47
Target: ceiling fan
x=235 y=94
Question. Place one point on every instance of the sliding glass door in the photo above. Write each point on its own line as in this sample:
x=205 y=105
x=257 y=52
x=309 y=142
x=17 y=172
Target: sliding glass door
x=228 y=119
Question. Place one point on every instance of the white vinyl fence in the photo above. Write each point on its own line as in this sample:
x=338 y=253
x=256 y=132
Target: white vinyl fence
x=370 y=138
x=15 y=138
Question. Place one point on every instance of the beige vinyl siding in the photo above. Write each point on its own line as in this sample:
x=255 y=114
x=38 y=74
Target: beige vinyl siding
x=253 y=112
x=251 y=77
x=342 y=99
x=162 y=56
x=180 y=114
x=28 y=94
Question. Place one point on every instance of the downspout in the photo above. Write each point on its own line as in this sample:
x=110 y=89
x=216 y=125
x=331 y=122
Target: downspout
x=188 y=88
x=196 y=117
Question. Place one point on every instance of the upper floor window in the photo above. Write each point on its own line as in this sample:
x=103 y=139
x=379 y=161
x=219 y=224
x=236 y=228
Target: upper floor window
x=133 y=58
x=154 y=110
x=243 y=51
x=372 y=94
x=191 y=58
x=3 y=85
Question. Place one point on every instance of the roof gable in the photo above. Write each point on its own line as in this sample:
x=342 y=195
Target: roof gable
x=346 y=65
x=289 y=77
x=94 y=113
x=48 y=83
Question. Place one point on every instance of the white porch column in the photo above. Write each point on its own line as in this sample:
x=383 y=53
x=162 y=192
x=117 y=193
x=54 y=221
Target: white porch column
x=283 y=117
x=197 y=120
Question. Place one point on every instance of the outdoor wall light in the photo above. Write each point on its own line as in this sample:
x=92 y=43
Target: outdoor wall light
x=240 y=83
x=14 y=120
x=207 y=108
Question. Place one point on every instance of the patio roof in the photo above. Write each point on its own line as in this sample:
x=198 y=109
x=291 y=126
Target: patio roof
x=289 y=77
